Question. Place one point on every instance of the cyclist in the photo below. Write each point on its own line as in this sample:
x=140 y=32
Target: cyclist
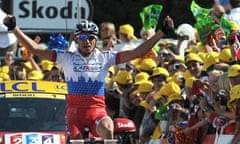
x=85 y=71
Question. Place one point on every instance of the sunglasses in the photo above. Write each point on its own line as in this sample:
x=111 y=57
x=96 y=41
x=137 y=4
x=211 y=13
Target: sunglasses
x=87 y=37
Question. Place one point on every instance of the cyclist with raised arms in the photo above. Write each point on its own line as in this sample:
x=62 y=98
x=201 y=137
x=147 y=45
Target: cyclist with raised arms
x=85 y=71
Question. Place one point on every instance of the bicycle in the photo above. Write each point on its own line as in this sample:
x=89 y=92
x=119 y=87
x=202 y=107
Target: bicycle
x=123 y=129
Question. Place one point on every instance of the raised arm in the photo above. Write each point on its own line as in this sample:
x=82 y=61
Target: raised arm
x=30 y=44
x=141 y=50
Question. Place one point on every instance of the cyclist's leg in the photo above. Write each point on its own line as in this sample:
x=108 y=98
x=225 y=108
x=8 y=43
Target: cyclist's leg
x=105 y=127
x=73 y=121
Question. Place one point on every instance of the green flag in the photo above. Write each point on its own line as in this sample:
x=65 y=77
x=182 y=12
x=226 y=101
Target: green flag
x=160 y=111
x=228 y=25
x=149 y=16
x=199 y=12
x=205 y=27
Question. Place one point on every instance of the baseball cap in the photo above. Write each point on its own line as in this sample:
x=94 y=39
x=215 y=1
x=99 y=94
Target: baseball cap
x=46 y=65
x=234 y=93
x=234 y=70
x=111 y=69
x=160 y=71
x=193 y=57
x=174 y=97
x=168 y=89
x=145 y=87
x=141 y=76
x=123 y=77
x=147 y=64
x=189 y=81
x=210 y=59
x=225 y=55
x=127 y=29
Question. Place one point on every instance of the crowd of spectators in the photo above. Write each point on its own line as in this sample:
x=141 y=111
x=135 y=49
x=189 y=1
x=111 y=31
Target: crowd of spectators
x=181 y=98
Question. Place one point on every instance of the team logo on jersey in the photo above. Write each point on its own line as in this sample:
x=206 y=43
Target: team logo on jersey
x=87 y=68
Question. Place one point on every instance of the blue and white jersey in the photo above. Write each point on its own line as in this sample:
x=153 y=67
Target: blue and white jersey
x=85 y=76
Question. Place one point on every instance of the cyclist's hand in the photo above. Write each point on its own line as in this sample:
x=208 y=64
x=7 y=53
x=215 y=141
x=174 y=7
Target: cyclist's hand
x=168 y=25
x=10 y=22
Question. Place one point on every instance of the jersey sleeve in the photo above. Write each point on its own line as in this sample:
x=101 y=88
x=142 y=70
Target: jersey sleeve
x=61 y=57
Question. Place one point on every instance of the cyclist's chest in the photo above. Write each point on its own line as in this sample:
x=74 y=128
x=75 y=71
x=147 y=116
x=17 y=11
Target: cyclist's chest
x=86 y=68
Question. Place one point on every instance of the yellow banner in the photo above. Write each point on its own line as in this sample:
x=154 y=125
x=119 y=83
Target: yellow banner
x=33 y=87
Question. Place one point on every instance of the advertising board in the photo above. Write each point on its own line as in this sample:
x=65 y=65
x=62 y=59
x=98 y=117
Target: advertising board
x=48 y=15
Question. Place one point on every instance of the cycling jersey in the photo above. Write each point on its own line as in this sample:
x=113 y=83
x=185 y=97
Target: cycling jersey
x=85 y=77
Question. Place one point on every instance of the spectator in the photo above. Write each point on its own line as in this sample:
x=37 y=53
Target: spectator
x=234 y=74
x=139 y=77
x=159 y=77
x=124 y=81
x=126 y=37
x=217 y=11
x=126 y=40
x=147 y=125
x=57 y=74
x=225 y=4
x=108 y=35
x=234 y=12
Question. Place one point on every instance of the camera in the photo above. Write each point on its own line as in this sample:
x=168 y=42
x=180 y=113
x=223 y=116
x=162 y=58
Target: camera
x=221 y=93
x=176 y=66
x=180 y=78
x=198 y=98
x=113 y=91
x=220 y=96
x=172 y=106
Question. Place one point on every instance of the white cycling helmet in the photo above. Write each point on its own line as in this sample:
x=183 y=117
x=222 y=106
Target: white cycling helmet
x=86 y=26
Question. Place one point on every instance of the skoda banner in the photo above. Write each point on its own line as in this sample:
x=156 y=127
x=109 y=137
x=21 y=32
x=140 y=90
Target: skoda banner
x=50 y=15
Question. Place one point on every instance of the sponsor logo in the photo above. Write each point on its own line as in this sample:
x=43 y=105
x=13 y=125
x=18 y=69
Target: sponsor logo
x=125 y=125
x=88 y=68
